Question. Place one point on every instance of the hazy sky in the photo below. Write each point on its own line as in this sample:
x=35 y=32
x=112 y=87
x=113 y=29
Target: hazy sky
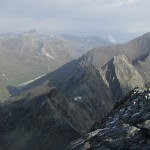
x=114 y=19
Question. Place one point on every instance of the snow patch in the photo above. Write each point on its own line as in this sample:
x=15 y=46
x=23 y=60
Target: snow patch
x=25 y=83
x=77 y=98
x=44 y=52
x=122 y=109
x=112 y=122
x=136 y=114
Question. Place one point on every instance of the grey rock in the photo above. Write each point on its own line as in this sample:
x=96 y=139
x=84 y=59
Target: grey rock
x=142 y=65
x=145 y=127
x=88 y=90
x=34 y=125
x=57 y=116
x=121 y=77
x=116 y=132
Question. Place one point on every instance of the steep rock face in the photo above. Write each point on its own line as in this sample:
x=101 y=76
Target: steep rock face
x=126 y=127
x=87 y=88
x=35 y=124
x=49 y=121
x=142 y=64
x=120 y=76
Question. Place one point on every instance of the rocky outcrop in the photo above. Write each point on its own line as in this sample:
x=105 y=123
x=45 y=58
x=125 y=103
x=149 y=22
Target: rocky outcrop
x=142 y=64
x=126 y=127
x=121 y=76
x=88 y=90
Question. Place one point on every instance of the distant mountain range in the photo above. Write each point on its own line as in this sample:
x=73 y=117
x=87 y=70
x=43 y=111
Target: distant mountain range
x=99 y=57
x=52 y=111
x=29 y=55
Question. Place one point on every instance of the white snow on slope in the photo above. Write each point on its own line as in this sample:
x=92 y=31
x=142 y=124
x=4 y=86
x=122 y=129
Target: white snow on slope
x=25 y=83
x=77 y=98
x=44 y=52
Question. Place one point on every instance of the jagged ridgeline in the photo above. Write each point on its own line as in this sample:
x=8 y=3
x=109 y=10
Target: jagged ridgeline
x=68 y=103
x=126 y=127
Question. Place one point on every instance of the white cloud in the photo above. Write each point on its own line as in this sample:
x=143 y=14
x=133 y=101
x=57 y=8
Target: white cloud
x=100 y=17
x=111 y=39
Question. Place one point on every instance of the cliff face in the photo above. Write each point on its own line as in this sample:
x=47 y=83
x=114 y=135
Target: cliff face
x=142 y=64
x=121 y=76
x=126 y=127
x=88 y=90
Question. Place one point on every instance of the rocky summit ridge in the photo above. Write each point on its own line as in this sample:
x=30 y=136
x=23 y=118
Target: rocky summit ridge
x=126 y=127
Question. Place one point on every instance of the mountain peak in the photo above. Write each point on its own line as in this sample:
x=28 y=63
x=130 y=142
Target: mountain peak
x=120 y=57
x=120 y=76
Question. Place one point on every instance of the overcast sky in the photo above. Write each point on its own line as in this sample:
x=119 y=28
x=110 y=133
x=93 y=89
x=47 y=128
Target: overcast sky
x=114 y=19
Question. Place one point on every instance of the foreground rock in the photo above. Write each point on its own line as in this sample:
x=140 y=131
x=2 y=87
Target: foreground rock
x=126 y=127
x=33 y=124
x=142 y=65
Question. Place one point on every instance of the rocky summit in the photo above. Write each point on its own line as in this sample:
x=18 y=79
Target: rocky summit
x=126 y=127
x=121 y=76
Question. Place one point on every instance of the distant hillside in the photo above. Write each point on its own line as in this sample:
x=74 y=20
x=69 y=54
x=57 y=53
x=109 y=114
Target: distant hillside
x=97 y=57
x=29 y=55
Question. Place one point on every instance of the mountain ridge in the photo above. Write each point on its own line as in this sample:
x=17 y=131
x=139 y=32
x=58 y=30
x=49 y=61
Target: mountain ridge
x=27 y=55
x=100 y=56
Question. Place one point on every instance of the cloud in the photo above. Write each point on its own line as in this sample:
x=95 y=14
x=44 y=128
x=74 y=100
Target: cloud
x=96 y=17
x=111 y=39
